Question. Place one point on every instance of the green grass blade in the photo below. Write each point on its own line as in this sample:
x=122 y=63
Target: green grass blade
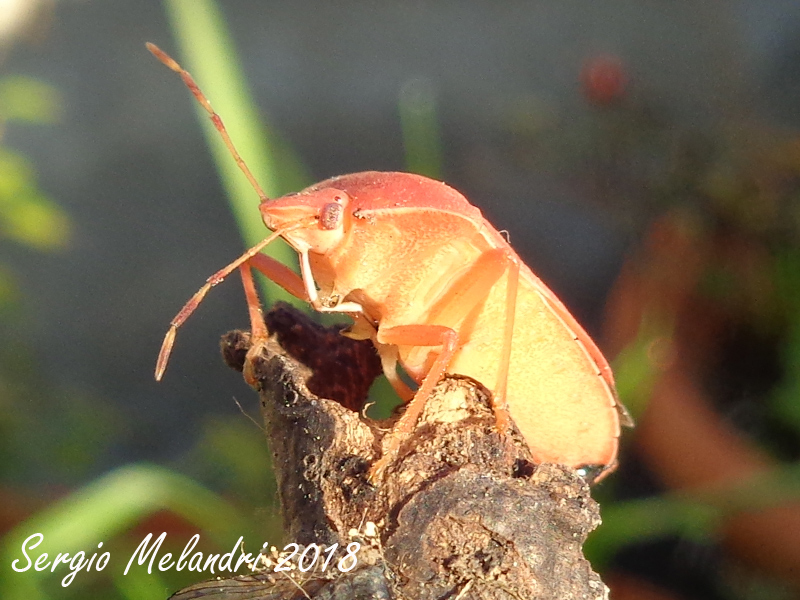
x=107 y=507
x=695 y=514
x=207 y=51
x=421 y=136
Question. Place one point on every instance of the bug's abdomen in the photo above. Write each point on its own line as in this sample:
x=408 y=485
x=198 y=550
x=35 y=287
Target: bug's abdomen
x=555 y=395
x=563 y=407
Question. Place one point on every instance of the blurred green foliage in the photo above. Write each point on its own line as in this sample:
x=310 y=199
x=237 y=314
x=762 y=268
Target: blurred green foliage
x=105 y=512
x=420 y=126
x=735 y=186
x=27 y=215
x=786 y=398
x=121 y=507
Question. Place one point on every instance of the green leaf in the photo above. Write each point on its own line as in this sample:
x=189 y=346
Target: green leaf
x=694 y=515
x=27 y=215
x=27 y=99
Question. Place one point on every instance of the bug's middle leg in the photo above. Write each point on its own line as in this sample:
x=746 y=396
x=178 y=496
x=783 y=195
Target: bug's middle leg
x=414 y=335
x=464 y=295
x=363 y=329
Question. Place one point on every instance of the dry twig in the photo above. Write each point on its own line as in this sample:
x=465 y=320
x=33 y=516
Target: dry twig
x=461 y=512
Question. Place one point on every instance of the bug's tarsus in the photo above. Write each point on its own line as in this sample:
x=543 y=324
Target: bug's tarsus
x=215 y=118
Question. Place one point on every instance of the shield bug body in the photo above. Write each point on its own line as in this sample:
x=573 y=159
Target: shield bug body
x=438 y=290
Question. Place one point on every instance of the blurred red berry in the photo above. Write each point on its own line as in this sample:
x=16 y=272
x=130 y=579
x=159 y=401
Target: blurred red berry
x=603 y=79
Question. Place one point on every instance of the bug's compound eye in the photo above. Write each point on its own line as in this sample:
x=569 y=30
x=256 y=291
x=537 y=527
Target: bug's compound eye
x=331 y=215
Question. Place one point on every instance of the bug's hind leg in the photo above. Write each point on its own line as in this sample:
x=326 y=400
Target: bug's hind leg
x=467 y=293
x=471 y=289
x=499 y=399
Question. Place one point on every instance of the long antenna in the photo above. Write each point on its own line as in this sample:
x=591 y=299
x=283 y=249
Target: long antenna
x=215 y=118
x=194 y=301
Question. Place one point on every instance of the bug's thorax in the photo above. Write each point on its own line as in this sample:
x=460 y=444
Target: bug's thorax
x=375 y=238
x=398 y=262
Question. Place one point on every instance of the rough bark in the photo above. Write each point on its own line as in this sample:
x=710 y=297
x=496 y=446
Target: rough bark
x=461 y=513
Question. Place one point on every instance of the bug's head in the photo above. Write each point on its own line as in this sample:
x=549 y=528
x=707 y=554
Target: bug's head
x=315 y=219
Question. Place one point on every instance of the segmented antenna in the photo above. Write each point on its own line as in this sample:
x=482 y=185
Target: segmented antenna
x=215 y=118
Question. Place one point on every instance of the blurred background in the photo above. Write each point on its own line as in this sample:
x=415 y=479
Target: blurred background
x=643 y=157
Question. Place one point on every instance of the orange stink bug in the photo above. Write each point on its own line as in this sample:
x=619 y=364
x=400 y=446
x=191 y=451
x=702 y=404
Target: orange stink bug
x=438 y=290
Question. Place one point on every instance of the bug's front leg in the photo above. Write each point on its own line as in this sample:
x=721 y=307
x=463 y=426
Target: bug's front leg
x=258 y=327
x=313 y=294
x=284 y=277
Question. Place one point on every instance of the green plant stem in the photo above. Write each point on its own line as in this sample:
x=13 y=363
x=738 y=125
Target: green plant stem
x=209 y=54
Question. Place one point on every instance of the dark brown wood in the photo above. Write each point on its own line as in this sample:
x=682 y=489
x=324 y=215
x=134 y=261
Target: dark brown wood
x=461 y=512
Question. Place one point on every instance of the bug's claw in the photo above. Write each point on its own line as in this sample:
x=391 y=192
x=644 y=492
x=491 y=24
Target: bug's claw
x=391 y=449
x=255 y=351
x=377 y=471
